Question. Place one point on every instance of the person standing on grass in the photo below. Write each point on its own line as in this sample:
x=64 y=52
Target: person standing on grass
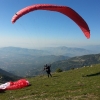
x=47 y=69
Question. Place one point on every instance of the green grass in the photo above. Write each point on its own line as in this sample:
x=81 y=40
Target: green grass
x=77 y=84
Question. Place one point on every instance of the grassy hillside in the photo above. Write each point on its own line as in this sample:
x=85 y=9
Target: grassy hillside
x=78 y=84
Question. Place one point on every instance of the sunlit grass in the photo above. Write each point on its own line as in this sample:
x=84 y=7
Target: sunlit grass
x=77 y=84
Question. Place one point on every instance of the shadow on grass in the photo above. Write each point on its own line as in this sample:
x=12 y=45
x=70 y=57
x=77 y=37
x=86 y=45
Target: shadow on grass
x=2 y=91
x=95 y=74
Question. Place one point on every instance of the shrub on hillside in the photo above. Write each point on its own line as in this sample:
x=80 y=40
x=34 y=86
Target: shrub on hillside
x=59 y=70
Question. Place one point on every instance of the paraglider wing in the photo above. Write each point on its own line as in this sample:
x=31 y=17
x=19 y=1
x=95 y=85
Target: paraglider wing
x=18 y=84
x=62 y=9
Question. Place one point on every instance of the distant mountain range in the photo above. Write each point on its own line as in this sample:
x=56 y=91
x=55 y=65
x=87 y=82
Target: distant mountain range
x=62 y=50
x=65 y=51
x=94 y=48
x=27 y=62
x=69 y=51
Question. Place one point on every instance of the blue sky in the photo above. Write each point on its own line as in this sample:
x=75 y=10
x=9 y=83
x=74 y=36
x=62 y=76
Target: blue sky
x=48 y=29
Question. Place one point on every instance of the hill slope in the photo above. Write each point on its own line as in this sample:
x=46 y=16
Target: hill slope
x=6 y=76
x=77 y=84
x=77 y=62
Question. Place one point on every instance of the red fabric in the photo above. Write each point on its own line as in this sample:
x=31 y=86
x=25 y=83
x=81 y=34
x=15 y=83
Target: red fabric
x=62 y=9
x=18 y=84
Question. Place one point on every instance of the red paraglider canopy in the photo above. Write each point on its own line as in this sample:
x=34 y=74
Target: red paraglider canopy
x=62 y=9
x=18 y=84
x=14 y=85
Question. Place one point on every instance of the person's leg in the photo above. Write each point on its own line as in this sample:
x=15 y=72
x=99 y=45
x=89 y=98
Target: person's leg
x=50 y=75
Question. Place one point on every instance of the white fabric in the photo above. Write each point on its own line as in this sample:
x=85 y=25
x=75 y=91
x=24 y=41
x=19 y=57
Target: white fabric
x=5 y=85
